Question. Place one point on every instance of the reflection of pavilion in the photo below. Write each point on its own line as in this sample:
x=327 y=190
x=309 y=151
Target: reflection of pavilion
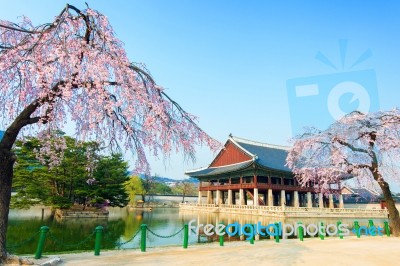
x=251 y=174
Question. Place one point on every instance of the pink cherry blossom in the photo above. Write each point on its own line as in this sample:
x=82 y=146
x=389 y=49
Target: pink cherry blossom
x=75 y=68
x=365 y=147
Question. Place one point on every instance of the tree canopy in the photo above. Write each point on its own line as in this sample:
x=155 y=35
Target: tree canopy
x=76 y=69
x=365 y=147
x=78 y=178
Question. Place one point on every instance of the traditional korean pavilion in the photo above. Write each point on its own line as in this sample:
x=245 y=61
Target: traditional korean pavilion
x=252 y=173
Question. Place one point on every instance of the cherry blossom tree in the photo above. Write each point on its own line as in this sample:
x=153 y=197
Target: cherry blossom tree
x=365 y=147
x=75 y=70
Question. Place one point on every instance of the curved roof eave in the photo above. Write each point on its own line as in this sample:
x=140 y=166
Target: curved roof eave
x=226 y=169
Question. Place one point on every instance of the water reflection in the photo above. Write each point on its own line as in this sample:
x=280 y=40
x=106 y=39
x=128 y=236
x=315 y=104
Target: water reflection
x=122 y=224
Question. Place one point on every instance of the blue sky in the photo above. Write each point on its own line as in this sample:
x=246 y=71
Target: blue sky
x=228 y=62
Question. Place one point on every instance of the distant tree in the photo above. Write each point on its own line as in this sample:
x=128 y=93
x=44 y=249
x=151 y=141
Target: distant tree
x=363 y=146
x=148 y=182
x=133 y=187
x=185 y=188
x=75 y=67
x=162 y=188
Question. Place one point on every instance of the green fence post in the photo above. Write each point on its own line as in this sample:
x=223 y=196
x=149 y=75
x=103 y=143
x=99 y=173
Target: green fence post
x=339 y=231
x=186 y=236
x=357 y=227
x=221 y=237
x=277 y=233
x=371 y=224
x=143 y=227
x=387 y=229
x=42 y=239
x=97 y=241
x=300 y=231
x=321 y=234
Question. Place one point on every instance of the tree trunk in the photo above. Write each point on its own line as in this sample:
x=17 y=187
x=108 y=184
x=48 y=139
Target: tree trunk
x=394 y=218
x=7 y=159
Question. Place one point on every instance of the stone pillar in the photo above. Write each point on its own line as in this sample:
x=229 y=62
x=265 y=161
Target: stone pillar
x=320 y=200
x=241 y=197
x=255 y=197
x=270 y=197
x=331 y=206
x=283 y=198
x=199 y=198
x=218 y=197
x=209 y=197
x=296 y=199
x=341 y=204
x=309 y=200
x=230 y=197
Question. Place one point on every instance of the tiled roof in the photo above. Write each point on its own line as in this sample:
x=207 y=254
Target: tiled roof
x=269 y=156
x=361 y=195
x=210 y=171
x=263 y=155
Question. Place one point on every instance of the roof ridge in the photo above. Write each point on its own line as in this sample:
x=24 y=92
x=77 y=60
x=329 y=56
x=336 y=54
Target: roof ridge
x=257 y=143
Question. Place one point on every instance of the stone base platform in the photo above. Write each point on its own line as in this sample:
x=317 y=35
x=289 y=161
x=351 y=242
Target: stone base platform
x=278 y=211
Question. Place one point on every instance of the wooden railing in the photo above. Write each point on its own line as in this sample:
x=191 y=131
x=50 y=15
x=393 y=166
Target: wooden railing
x=255 y=185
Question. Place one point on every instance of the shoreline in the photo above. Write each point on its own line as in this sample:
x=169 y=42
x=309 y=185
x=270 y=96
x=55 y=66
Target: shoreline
x=378 y=250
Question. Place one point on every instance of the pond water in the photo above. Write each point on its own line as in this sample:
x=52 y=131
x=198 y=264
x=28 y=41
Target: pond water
x=76 y=234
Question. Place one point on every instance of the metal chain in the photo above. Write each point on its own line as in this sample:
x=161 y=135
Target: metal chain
x=157 y=235
x=120 y=244
x=23 y=242
x=70 y=245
